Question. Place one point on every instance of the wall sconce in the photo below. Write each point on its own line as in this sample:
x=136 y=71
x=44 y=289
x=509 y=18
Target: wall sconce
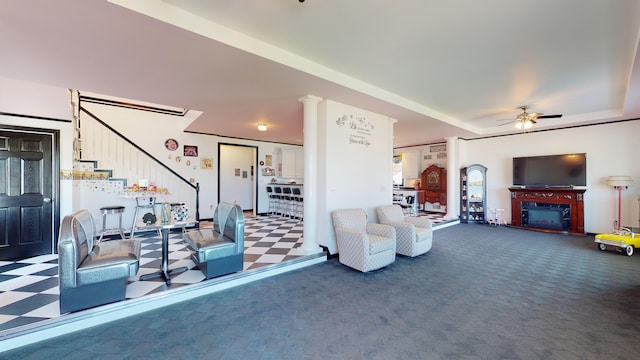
x=262 y=127
x=619 y=183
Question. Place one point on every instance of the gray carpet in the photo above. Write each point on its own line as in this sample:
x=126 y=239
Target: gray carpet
x=480 y=293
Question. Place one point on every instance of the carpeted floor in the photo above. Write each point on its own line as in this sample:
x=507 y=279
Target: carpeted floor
x=480 y=293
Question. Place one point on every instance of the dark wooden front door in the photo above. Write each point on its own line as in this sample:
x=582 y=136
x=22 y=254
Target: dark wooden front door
x=26 y=190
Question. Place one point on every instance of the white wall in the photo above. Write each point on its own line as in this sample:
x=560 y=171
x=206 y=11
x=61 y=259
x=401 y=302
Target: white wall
x=611 y=149
x=351 y=174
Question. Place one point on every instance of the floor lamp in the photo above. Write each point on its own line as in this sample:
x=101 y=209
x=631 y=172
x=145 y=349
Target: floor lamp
x=619 y=183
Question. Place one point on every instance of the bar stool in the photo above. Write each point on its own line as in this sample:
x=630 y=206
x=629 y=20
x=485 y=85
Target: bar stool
x=279 y=201
x=288 y=202
x=273 y=200
x=111 y=210
x=299 y=203
x=143 y=202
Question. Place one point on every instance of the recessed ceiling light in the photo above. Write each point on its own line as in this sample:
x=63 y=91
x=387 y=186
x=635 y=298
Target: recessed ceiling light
x=262 y=127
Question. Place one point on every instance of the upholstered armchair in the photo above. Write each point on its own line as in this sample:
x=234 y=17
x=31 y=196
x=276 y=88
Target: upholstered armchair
x=414 y=235
x=361 y=245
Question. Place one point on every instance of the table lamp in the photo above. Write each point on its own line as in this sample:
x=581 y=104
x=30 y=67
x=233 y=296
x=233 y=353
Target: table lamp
x=619 y=183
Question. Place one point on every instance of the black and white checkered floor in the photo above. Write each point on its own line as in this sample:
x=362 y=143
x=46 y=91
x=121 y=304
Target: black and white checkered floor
x=29 y=288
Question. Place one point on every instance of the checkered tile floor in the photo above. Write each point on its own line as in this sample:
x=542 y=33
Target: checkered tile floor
x=29 y=288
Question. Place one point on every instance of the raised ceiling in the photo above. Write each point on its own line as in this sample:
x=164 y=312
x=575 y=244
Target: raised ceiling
x=441 y=68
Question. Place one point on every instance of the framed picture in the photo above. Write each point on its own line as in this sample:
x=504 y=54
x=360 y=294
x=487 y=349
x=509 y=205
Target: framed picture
x=438 y=148
x=236 y=172
x=268 y=160
x=190 y=150
x=206 y=163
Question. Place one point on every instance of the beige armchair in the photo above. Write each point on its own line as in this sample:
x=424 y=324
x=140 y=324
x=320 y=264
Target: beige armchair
x=414 y=235
x=361 y=245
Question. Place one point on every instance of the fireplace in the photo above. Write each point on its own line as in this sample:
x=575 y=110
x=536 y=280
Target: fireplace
x=545 y=215
x=548 y=209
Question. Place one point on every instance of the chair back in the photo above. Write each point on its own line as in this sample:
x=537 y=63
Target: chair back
x=269 y=189
x=353 y=219
x=228 y=220
x=75 y=241
x=390 y=213
x=296 y=191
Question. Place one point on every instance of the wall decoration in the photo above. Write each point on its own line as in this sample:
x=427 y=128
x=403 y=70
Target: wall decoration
x=438 y=148
x=178 y=159
x=268 y=171
x=171 y=144
x=237 y=172
x=206 y=163
x=244 y=174
x=261 y=163
x=428 y=157
x=360 y=128
x=190 y=150
x=188 y=162
x=268 y=160
x=442 y=155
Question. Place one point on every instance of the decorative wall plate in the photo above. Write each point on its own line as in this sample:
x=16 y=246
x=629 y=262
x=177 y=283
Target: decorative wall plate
x=171 y=144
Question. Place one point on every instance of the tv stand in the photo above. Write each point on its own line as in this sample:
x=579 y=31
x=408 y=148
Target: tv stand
x=559 y=210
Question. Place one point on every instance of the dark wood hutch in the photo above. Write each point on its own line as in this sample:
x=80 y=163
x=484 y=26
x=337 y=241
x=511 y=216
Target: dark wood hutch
x=434 y=182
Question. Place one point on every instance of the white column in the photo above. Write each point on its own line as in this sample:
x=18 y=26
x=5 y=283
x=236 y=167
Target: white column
x=310 y=232
x=452 y=175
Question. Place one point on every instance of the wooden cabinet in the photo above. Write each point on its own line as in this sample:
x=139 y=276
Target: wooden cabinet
x=291 y=163
x=410 y=164
x=434 y=181
x=473 y=193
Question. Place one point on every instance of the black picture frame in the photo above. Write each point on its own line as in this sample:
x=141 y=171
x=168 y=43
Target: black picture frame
x=190 y=150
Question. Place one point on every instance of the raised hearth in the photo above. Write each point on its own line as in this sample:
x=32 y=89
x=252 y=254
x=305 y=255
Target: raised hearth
x=548 y=209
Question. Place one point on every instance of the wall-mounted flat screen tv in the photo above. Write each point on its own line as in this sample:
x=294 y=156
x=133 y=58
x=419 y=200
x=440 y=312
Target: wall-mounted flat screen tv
x=550 y=171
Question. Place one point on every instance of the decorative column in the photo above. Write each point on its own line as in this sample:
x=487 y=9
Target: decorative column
x=452 y=173
x=310 y=128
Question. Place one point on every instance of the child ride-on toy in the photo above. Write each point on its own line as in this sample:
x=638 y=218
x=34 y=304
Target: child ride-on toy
x=623 y=239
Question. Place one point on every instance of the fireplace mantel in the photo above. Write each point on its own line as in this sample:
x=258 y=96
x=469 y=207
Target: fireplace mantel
x=567 y=196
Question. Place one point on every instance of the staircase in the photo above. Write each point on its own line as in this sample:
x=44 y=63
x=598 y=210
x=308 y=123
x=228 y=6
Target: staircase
x=109 y=163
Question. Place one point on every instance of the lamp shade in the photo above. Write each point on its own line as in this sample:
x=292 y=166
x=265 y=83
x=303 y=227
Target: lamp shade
x=619 y=181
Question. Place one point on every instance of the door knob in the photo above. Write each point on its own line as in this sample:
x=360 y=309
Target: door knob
x=47 y=200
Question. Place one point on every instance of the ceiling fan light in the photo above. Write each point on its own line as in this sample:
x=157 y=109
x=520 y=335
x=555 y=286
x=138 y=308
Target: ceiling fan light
x=518 y=124
x=528 y=124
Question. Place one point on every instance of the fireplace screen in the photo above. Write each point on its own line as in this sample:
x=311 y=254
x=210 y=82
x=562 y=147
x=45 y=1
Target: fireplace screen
x=549 y=216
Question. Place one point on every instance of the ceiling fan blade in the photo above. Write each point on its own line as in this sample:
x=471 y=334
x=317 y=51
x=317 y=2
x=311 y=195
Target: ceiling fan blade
x=550 y=116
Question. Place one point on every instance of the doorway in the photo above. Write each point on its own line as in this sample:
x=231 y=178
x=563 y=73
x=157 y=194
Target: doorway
x=236 y=175
x=28 y=179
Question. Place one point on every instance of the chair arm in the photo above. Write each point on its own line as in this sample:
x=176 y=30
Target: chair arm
x=387 y=231
x=420 y=222
x=358 y=241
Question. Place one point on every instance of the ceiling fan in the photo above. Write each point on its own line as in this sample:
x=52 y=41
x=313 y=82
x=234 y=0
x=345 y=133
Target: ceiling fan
x=526 y=120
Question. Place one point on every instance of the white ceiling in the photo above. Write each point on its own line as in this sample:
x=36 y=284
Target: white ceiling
x=441 y=68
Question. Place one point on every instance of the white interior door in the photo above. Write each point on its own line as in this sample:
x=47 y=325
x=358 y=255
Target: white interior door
x=237 y=175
